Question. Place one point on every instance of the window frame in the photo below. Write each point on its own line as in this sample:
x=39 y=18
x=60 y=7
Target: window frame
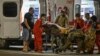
x=16 y=9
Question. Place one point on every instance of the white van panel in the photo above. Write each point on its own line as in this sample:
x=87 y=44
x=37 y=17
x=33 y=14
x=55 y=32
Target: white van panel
x=10 y=26
x=11 y=30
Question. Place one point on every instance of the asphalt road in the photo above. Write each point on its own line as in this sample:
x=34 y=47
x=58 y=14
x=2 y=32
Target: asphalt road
x=45 y=53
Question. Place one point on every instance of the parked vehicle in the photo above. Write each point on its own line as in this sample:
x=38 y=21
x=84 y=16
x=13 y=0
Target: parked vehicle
x=9 y=21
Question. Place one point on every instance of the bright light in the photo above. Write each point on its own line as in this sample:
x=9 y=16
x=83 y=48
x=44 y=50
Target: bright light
x=87 y=6
x=30 y=3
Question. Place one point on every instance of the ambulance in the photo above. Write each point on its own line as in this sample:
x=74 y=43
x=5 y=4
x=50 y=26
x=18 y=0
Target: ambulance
x=12 y=10
x=9 y=21
x=11 y=16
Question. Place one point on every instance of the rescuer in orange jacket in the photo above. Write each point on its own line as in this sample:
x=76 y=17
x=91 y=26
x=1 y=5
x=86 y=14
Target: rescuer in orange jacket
x=38 y=30
x=78 y=22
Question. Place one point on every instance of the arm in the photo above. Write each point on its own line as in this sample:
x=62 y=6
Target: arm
x=66 y=22
x=26 y=18
x=98 y=27
x=75 y=23
x=26 y=23
x=57 y=19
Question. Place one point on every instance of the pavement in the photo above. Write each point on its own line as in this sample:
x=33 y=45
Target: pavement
x=45 y=53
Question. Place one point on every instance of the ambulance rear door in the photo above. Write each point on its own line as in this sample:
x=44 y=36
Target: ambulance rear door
x=9 y=18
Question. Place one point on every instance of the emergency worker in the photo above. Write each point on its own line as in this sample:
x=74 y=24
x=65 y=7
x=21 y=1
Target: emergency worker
x=38 y=30
x=78 y=22
x=62 y=21
x=27 y=27
x=98 y=37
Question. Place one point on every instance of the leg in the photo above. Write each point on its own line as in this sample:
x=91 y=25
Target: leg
x=91 y=47
x=25 y=35
x=63 y=48
x=25 y=46
x=53 y=41
x=79 y=44
x=98 y=42
x=30 y=40
x=37 y=43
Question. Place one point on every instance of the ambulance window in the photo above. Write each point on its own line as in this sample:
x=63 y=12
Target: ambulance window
x=10 y=9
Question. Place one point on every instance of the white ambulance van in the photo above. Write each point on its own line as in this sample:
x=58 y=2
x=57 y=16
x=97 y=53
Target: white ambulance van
x=9 y=21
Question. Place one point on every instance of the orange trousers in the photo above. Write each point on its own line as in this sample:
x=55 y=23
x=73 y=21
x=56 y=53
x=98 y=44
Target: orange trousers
x=38 y=43
x=98 y=41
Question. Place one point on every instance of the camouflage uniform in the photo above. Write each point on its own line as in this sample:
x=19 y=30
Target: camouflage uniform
x=90 y=40
x=54 y=32
x=63 y=22
x=74 y=35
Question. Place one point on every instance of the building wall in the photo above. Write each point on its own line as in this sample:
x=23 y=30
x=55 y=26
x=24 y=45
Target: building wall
x=76 y=2
x=54 y=5
x=42 y=6
x=97 y=9
x=61 y=3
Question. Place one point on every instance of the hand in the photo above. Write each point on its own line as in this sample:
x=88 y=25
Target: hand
x=32 y=32
x=29 y=28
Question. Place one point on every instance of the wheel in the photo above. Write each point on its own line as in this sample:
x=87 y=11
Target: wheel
x=4 y=43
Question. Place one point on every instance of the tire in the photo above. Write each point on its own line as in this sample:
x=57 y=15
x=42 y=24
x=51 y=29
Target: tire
x=4 y=43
